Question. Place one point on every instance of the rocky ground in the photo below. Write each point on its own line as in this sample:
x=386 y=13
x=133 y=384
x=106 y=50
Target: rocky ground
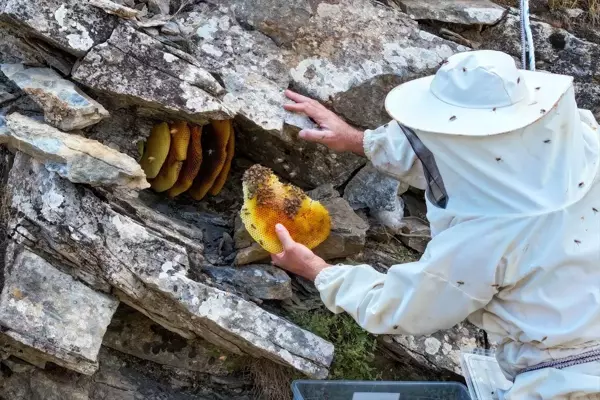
x=111 y=291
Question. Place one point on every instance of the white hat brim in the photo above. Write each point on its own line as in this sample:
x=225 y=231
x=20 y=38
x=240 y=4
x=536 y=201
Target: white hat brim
x=412 y=104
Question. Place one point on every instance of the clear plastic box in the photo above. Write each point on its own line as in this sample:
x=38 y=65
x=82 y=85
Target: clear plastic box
x=368 y=390
x=483 y=374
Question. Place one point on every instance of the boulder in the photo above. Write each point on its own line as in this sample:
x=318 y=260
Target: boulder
x=466 y=12
x=52 y=314
x=148 y=272
x=65 y=106
x=71 y=25
x=73 y=157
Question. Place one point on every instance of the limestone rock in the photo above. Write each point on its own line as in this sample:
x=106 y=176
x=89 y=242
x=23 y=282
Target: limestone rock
x=467 y=12
x=73 y=157
x=439 y=351
x=131 y=332
x=264 y=282
x=149 y=273
x=348 y=233
x=392 y=220
x=65 y=106
x=47 y=310
x=71 y=25
x=126 y=64
x=372 y=189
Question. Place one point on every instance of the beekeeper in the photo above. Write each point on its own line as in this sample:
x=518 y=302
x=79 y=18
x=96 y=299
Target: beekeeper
x=510 y=168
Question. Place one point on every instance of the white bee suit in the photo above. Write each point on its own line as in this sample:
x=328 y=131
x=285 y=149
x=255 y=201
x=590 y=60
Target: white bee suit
x=516 y=249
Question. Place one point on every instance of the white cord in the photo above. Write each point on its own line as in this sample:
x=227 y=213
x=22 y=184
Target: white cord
x=526 y=37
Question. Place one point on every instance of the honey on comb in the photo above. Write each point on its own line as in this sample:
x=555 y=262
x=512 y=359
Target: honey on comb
x=191 y=166
x=268 y=202
x=156 y=150
x=180 y=139
x=222 y=178
x=214 y=148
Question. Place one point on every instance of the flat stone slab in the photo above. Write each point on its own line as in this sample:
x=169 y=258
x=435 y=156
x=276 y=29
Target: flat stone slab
x=65 y=105
x=49 y=311
x=467 y=12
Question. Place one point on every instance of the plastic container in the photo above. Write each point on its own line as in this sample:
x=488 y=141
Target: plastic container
x=368 y=390
x=483 y=374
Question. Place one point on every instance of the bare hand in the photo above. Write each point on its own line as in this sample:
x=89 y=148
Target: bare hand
x=335 y=134
x=296 y=258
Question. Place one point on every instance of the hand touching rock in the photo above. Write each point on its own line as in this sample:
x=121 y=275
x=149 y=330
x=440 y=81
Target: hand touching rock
x=335 y=134
x=296 y=258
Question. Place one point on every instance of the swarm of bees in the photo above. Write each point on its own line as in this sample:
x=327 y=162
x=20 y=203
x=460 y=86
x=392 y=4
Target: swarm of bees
x=185 y=158
x=268 y=202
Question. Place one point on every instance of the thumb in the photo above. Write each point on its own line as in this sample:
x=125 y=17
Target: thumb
x=315 y=135
x=284 y=236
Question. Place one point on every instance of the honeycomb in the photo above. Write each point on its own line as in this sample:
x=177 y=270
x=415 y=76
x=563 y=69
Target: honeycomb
x=156 y=150
x=191 y=165
x=214 y=144
x=268 y=202
x=220 y=181
x=169 y=172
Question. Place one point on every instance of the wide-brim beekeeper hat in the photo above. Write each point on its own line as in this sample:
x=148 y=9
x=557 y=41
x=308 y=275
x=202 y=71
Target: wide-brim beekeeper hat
x=476 y=93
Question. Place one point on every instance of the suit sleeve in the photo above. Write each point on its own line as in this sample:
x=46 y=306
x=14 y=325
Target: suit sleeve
x=390 y=152
x=452 y=280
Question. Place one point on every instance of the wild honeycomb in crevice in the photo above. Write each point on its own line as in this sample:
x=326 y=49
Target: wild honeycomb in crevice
x=186 y=158
x=268 y=202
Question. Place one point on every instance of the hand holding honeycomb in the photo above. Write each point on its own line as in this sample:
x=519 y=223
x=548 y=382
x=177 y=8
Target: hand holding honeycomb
x=268 y=202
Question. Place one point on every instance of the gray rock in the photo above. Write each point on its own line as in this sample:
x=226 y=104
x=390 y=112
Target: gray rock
x=415 y=234
x=372 y=189
x=73 y=157
x=133 y=333
x=467 y=12
x=170 y=28
x=392 y=219
x=47 y=310
x=439 y=351
x=111 y=7
x=148 y=272
x=65 y=106
x=126 y=64
x=348 y=233
x=71 y=25
x=264 y=282
x=159 y=6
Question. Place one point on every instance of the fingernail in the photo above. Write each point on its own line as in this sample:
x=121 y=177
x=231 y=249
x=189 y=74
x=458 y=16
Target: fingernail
x=302 y=134
x=278 y=227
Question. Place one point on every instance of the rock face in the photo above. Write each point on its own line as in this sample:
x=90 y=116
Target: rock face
x=261 y=281
x=73 y=26
x=149 y=272
x=479 y=12
x=372 y=189
x=73 y=157
x=54 y=315
x=138 y=68
x=65 y=106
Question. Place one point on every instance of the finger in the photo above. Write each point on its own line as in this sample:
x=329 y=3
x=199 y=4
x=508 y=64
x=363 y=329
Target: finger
x=315 y=135
x=284 y=236
x=296 y=96
x=276 y=259
x=298 y=107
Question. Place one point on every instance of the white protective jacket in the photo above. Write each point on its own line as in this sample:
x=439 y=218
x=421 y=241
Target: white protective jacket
x=516 y=250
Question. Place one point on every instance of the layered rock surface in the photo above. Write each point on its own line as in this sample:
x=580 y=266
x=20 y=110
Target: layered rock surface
x=73 y=221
